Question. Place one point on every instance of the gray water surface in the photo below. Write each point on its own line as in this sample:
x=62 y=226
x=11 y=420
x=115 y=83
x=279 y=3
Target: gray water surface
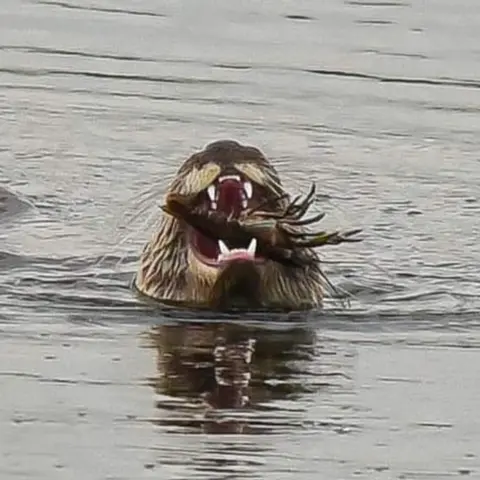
x=377 y=102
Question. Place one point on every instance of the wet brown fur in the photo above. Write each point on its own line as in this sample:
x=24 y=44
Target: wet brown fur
x=169 y=271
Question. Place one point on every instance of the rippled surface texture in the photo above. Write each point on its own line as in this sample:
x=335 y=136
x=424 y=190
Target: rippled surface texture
x=377 y=101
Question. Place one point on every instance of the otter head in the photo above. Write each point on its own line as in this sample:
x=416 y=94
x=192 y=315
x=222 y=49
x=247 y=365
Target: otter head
x=180 y=264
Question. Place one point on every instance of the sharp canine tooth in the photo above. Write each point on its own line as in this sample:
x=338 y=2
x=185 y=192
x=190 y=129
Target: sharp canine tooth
x=211 y=192
x=252 y=247
x=224 y=250
x=247 y=186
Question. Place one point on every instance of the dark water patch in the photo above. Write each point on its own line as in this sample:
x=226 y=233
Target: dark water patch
x=415 y=212
x=11 y=205
x=380 y=3
x=9 y=260
x=299 y=17
x=398 y=380
x=438 y=426
x=228 y=66
x=93 y=8
x=374 y=22
x=454 y=109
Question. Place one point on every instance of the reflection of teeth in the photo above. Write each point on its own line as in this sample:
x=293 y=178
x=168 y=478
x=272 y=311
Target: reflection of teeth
x=214 y=205
x=211 y=192
x=244 y=203
x=247 y=186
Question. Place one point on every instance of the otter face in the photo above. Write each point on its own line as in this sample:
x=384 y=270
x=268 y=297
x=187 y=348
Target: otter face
x=181 y=264
x=230 y=185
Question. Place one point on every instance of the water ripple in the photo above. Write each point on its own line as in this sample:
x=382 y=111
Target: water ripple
x=111 y=76
x=445 y=82
x=93 y=8
x=101 y=101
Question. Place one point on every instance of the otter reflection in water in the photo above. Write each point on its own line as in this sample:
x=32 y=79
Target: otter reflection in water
x=181 y=265
x=215 y=372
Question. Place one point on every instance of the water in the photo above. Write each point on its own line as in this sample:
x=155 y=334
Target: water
x=378 y=102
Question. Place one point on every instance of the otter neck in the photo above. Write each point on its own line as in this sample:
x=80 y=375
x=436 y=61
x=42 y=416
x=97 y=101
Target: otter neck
x=238 y=285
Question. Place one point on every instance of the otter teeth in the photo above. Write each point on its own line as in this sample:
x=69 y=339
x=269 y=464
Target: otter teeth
x=225 y=252
x=212 y=195
x=247 y=187
x=212 y=191
x=246 y=194
x=252 y=247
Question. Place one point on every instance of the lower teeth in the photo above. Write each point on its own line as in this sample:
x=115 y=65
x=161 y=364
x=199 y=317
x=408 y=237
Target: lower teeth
x=225 y=252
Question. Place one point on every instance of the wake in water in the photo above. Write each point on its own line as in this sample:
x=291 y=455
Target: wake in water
x=12 y=204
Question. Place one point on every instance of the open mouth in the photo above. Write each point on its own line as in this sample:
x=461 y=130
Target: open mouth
x=230 y=194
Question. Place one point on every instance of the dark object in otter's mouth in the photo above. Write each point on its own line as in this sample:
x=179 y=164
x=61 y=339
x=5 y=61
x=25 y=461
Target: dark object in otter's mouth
x=277 y=235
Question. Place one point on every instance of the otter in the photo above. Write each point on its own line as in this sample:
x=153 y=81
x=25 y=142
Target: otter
x=182 y=266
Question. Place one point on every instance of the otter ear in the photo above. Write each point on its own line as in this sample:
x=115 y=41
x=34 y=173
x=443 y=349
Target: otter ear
x=196 y=179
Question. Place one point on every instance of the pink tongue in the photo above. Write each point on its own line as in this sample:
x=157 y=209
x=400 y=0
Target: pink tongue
x=243 y=255
x=230 y=197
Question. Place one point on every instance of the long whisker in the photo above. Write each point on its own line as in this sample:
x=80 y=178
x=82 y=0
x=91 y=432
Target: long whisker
x=303 y=235
x=146 y=224
x=336 y=292
x=310 y=195
x=334 y=238
x=140 y=203
x=297 y=211
x=306 y=221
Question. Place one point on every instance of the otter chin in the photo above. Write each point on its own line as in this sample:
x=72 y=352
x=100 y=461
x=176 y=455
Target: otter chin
x=181 y=265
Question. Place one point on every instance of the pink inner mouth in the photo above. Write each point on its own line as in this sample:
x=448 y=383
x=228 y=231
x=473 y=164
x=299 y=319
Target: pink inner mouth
x=230 y=199
x=230 y=196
